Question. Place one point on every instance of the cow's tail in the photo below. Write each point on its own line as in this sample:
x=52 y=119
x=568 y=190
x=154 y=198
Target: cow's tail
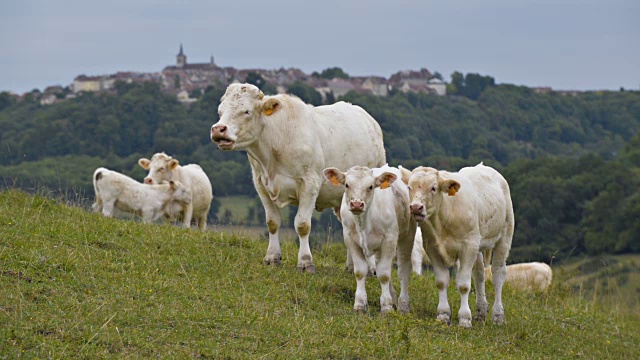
x=97 y=205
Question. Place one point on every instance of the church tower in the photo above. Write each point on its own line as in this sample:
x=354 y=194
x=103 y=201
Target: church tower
x=181 y=58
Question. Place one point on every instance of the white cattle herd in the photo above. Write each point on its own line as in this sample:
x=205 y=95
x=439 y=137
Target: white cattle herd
x=333 y=156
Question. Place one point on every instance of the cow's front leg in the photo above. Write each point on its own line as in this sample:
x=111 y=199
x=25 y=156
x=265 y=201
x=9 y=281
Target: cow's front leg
x=188 y=215
x=383 y=271
x=308 y=194
x=273 y=219
x=360 y=271
x=441 y=271
x=468 y=258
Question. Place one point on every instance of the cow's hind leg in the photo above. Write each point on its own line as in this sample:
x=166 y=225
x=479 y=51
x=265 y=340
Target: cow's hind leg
x=479 y=281
x=499 y=270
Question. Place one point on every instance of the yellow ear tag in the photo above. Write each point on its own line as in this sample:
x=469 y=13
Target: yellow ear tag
x=385 y=184
x=452 y=191
x=334 y=180
x=268 y=112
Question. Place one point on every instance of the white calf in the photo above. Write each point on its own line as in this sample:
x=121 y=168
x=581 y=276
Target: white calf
x=462 y=214
x=115 y=190
x=376 y=219
x=534 y=276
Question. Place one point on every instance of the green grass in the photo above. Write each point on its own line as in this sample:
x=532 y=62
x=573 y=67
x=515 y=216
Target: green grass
x=75 y=284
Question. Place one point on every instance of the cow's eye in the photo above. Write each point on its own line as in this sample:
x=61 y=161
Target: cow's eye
x=346 y=185
x=409 y=188
x=161 y=169
x=433 y=189
x=371 y=187
x=246 y=112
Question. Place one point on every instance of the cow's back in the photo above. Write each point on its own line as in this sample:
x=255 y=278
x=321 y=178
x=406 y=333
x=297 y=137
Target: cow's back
x=492 y=199
x=197 y=180
x=348 y=136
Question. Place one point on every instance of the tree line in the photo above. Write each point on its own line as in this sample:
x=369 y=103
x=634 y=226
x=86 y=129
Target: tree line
x=573 y=162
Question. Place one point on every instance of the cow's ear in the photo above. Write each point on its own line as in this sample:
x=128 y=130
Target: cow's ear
x=385 y=180
x=270 y=106
x=335 y=176
x=144 y=163
x=406 y=174
x=173 y=163
x=451 y=187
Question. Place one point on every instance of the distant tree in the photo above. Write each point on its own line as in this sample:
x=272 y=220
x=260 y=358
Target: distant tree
x=259 y=81
x=457 y=81
x=306 y=93
x=475 y=84
x=6 y=100
x=438 y=76
x=329 y=98
x=332 y=73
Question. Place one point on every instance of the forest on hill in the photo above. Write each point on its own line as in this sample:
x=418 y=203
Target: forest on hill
x=573 y=162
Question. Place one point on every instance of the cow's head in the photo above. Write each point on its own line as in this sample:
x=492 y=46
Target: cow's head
x=359 y=183
x=243 y=111
x=161 y=168
x=426 y=188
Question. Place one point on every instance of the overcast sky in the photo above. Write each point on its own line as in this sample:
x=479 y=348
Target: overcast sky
x=566 y=44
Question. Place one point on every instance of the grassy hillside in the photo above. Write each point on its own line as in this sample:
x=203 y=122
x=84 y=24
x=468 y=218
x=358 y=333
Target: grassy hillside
x=77 y=284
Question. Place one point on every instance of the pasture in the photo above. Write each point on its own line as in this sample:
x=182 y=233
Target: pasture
x=76 y=284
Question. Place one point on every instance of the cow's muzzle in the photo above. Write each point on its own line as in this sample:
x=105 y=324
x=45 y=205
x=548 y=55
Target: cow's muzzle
x=418 y=212
x=219 y=135
x=356 y=207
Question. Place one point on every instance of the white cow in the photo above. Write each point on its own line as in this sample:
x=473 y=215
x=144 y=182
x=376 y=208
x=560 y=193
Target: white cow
x=163 y=167
x=462 y=214
x=289 y=143
x=418 y=255
x=375 y=220
x=535 y=276
x=116 y=190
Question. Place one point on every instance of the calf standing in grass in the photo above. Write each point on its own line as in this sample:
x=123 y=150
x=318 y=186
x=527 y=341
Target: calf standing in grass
x=462 y=214
x=376 y=219
x=163 y=167
x=115 y=190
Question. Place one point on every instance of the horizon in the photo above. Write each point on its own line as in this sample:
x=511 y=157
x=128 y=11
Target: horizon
x=571 y=45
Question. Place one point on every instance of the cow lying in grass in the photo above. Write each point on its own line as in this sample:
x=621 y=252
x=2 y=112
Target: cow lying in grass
x=375 y=220
x=114 y=190
x=462 y=214
x=534 y=276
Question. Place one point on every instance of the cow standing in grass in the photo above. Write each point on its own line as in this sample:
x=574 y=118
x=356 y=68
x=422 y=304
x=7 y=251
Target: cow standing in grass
x=462 y=214
x=289 y=143
x=163 y=167
x=375 y=221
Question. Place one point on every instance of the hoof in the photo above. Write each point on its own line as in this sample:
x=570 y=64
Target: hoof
x=272 y=260
x=309 y=268
x=465 y=323
x=358 y=309
x=386 y=310
x=479 y=317
x=403 y=307
x=498 y=319
x=444 y=318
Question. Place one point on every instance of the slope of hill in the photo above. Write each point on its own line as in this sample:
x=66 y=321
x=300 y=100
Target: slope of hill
x=75 y=284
